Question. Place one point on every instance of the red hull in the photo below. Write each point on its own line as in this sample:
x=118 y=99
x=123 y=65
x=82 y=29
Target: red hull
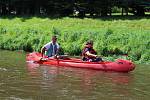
x=119 y=65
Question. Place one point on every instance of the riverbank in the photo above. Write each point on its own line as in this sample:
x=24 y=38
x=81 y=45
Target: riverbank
x=112 y=37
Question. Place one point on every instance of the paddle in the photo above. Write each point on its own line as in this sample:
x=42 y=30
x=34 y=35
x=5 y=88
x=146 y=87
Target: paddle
x=37 y=57
x=60 y=57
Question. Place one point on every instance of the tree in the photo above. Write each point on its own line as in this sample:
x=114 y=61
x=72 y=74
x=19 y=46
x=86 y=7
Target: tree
x=67 y=7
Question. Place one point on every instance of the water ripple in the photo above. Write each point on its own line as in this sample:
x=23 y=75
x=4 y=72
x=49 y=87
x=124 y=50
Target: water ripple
x=3 y=69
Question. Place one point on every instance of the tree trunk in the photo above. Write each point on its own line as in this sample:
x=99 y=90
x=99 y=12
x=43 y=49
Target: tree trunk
x=140 y=11
x=122 y=12
x=126 y=10
x=104 y=11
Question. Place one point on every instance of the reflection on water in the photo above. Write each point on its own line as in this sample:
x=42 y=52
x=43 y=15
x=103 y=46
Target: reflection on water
x=21 y=80
x=82 y=82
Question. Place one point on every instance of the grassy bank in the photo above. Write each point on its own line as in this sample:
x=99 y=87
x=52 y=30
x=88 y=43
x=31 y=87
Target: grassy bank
x=112 y=36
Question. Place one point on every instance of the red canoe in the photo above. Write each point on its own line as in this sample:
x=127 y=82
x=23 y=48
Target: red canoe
x=119 y=65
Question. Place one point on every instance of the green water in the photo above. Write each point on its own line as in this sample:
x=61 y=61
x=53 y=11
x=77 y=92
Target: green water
x=21 y=80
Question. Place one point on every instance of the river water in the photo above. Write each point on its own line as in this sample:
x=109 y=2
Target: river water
x=21 y=80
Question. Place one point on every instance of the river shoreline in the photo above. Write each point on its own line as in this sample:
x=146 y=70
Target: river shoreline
x=112 y=37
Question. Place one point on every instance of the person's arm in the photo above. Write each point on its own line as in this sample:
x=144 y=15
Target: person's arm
x=43 y=51
x=58 y=48
x=45 y=48
x=57 y=52
x=89 y=54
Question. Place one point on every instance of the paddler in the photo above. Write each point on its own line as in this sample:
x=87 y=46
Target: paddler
x=51 y=49
x=89 y=54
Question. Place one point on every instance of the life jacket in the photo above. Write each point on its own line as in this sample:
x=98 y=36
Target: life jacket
x=92 y=51
x=50 y=51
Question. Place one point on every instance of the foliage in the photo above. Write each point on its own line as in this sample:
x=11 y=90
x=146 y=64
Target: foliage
x=59 y=8
x=111 y=37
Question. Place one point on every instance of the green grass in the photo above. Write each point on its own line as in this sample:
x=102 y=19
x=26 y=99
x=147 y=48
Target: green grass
x=112 y=36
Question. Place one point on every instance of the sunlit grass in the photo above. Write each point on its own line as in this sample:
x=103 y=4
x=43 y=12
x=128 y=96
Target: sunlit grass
x=112 y=36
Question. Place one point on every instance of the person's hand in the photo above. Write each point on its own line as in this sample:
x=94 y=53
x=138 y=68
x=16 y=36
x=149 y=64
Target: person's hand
x=56 y=56
x=43 y=59
x=96 y=56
